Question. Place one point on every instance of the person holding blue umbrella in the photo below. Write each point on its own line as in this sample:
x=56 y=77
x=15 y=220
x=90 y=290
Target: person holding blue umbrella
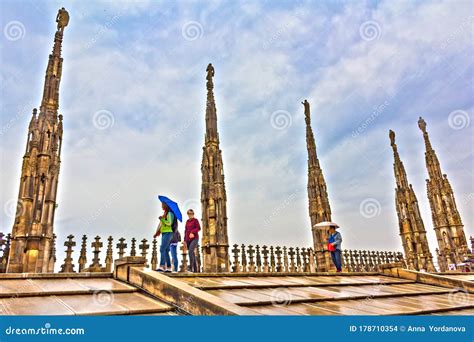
x=166 y=227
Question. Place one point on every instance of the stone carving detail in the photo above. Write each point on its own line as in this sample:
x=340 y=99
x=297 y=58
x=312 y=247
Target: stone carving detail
x=109 y=255
x=144 y=248
x=121 y=246
x=154 y=255
x=133 y=249
x=83 y=254
x=96 y=245
x=68 y=265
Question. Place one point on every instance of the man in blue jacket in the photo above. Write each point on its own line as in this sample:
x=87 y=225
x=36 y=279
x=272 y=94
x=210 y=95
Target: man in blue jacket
x=335 y=240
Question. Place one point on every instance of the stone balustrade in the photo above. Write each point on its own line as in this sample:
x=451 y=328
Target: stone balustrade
x=275 y=259
x=243 y=259
x=4 y=251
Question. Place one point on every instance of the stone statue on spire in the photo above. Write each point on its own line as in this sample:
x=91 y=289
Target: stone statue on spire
x=307 y=112
x=391 y=135
x=422 y=124
x=62 y=19
x=210 y=72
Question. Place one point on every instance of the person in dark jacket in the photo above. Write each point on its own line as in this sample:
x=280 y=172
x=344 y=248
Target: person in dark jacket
x=191 y=239
x=335 y=240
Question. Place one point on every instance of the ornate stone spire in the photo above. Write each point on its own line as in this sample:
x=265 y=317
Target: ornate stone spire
x=319 y=208
x=32 y=233
x=215 y=243
x=412 y=229
x=446 y=219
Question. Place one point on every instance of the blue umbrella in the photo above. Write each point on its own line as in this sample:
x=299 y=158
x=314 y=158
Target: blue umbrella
x=173 y=206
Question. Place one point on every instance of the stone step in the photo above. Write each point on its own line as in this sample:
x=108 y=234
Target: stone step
x=60 y=286
x=413 y=305
x=221 y=283
x=99 y=303
x=268 y=296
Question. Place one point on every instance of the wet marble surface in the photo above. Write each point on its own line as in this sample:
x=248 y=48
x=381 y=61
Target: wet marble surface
x=75 y=296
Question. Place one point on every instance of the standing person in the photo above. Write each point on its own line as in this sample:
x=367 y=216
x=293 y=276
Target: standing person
x=334 y=246
x=191 y=239
x=174 y=245
x=165 y=229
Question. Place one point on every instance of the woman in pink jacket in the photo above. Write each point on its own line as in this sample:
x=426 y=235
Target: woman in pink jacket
x=191 y=239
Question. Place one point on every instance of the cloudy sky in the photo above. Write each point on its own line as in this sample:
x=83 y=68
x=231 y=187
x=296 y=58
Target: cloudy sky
x=133 y=99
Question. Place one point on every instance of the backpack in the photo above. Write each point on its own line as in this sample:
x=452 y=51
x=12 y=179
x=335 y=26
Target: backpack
x=174 y=226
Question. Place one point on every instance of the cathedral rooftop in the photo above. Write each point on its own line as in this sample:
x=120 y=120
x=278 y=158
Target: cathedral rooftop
x=135 y=290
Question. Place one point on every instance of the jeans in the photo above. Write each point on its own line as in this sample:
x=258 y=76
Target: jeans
x=174 y=255
x=191 y=245
x=336 y=259
x=165 y=249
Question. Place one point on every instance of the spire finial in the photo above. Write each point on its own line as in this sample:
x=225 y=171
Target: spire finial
x=422 y=124
x=391 y=135
x=210 y=72
x=62 y=19
x=307 y=112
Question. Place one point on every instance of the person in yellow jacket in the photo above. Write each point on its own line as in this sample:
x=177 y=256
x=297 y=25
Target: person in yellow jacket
x=165 y=229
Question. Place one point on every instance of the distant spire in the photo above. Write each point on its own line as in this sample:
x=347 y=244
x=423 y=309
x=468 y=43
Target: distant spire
x=447 y=221
x=33 y=235
x=319 y=208
x=318 y=201
x=215 y=244
x=411 y=226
